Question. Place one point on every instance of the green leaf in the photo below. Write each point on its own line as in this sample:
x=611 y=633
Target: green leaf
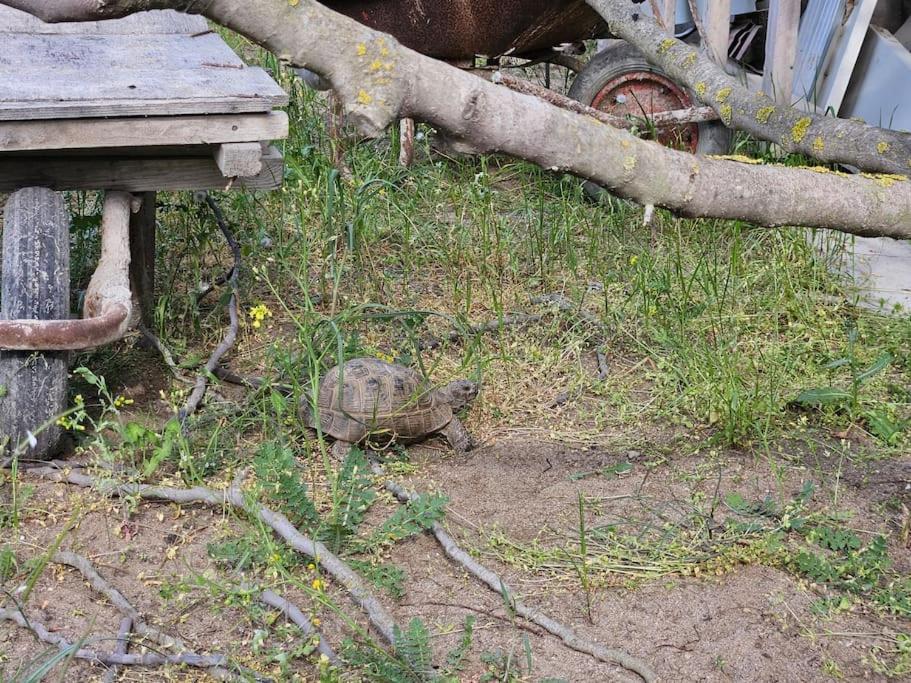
x=164 y=448
x=279 y=475
x=884 y=427
x=878 y=366
x=455 y=658
x=413 y=518
x=279 y=403
x=354 y=496
x=824 y=396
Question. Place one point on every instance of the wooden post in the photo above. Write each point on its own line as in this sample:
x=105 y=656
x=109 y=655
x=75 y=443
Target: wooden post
x=406 y=142
x=142 y=258
x=718 y=29
x=669 y=14
x=781 y=49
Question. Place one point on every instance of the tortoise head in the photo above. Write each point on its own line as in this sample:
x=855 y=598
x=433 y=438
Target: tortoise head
x=460 y=393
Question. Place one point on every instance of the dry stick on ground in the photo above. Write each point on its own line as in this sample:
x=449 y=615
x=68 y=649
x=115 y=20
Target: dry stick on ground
x=110 y=658
x=496 y=584
x=378 y=616
x=292 y=612
x=139 y=625
x=482 y=328
x=495 y=119
x=153 y=339
x=228 y=341
x=821 y=137
x=123 y=643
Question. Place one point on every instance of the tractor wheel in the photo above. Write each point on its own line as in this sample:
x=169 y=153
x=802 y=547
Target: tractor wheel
x=619 y=81
x=35 y=285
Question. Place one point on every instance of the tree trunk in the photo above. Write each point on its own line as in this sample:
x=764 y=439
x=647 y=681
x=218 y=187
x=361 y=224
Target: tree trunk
x=828 y=139
x=380 y=81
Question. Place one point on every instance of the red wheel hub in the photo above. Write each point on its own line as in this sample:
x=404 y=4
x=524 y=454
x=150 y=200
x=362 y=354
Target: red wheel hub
x=639 y=94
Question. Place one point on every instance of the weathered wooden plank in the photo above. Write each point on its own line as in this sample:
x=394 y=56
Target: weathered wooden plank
x=131 y=175
x=74 y=94
x=718 y=29
x=239 y=159
x=781 y=49
x=25 y=136
x=35 y=53
x=155 y=22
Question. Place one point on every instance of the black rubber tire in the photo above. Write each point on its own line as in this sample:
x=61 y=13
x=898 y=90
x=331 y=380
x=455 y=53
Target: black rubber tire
x=35 y=285
x=620 y=57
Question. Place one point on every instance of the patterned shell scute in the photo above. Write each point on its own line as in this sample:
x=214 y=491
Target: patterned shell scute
x=369 y=397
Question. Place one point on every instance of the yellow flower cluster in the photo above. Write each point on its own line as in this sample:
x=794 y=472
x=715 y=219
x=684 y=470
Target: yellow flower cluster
x=259 y=313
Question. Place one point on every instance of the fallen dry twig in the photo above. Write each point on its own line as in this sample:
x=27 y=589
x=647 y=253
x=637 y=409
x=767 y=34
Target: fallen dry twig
x=290 y=610
x=496 y=584
x=111 y=658
x=123 y=644
x=228 y=341
x=513 y=319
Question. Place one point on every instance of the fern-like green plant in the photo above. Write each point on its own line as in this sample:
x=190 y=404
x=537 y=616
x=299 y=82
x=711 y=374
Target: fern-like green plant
x=354 y=496
x=280 y=477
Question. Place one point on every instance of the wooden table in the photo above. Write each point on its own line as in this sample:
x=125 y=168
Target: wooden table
x=155 y=101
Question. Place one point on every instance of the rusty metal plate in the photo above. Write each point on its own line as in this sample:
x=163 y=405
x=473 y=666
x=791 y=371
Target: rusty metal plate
x=464 y=28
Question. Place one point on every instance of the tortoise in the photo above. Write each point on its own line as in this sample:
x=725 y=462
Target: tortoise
x=370 y=399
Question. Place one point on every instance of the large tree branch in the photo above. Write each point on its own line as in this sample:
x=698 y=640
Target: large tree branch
x=380 y=81
x=825 y=138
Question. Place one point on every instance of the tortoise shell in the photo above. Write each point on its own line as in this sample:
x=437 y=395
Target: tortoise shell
x=369 y=397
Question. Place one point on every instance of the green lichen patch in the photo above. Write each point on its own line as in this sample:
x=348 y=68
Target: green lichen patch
x=885 y=179
x=799 y=130
x=666 y=45
x=882 y=147
x=740 y=158
x=700 y=88
x=726 y=114
x=819 y=145
x=764 y=114
x=689 y=60
x=722 y=95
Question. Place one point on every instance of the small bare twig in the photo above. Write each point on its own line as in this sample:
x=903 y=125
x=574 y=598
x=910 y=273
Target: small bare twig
x=227 y=342
x=165 y=352
x=496 y=584
x=110 y=658
x=513 y=319
x=290 y=610
x=123 y=643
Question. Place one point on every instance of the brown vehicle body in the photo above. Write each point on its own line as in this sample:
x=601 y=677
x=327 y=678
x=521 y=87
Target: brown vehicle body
x=461 y=29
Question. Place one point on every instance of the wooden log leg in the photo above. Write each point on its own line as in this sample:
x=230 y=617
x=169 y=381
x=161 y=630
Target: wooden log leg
x=406 y=142
x=142 y=258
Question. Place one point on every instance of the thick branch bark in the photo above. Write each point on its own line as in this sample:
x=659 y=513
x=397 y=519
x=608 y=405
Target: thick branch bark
x=380 y=81
x=825 y=138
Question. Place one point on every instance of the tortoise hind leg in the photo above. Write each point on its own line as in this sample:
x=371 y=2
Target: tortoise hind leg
x=340 y=450
x=457 y=436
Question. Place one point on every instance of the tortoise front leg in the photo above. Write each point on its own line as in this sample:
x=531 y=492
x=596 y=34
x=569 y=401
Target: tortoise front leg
x=340 y=450
x=457 y=436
